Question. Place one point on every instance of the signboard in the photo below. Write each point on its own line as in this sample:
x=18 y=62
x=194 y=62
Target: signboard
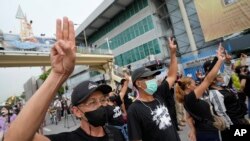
x=219 y=18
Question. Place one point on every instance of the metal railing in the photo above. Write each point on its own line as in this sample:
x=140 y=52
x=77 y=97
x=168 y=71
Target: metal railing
x=89 y=50
x=81 y=50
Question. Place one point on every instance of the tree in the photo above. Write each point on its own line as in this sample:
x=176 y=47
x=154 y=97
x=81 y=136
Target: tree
x=44 y=76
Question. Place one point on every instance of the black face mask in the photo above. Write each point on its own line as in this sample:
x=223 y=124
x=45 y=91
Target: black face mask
x=97 y=117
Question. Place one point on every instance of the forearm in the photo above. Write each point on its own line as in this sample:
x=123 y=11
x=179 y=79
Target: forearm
x=172 y=73
x=190 y=122
x=35 y=109
x=124 y=90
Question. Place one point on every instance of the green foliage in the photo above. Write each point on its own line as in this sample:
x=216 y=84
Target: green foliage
x=44 y=77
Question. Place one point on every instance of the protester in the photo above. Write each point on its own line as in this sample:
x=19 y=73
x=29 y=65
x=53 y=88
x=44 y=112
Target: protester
x=58 y=107
x=148 y=116
x=87 y=98
x=198 y=110
x=116 y=116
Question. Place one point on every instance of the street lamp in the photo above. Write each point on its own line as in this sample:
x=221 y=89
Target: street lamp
x=107 y=40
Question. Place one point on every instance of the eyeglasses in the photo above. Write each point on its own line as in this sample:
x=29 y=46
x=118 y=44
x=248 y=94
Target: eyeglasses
x=91 y=103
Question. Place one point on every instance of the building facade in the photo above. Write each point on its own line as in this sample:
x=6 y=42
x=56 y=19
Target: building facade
x=136 y=30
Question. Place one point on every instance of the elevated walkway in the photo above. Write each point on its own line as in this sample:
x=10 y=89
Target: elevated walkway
x=84 y=56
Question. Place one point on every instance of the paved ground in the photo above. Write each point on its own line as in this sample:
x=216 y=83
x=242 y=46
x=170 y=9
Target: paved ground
x=69 y=125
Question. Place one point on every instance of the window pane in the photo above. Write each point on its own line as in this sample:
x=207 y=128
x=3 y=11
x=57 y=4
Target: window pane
x=128 y=34
x=136 y=28
x=136 y=54
x=132 y=32
x=145 y=46
x=141 y=28
x=129 y=57
x=156 y=47
x=151 y=47
x=145 y=24
x=140 y=2
x=150 y=22
x=145 y=3
x=141 y=51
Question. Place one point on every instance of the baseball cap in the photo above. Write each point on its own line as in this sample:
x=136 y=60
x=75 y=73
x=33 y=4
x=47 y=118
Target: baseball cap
x=83 y=90
x=143 y=72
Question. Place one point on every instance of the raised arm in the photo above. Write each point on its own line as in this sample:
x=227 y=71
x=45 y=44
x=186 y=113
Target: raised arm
x=199 y=90
x=124 y=87
x=62 y=61
x=172 y=73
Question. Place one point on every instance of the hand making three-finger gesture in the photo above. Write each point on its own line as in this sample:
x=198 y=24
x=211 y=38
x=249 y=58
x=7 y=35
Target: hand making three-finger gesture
x=63 y=53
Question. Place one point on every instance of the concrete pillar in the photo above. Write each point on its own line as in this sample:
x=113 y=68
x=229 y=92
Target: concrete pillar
x=187 y=27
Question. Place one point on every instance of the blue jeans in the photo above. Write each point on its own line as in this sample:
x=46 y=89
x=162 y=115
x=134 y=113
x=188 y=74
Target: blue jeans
x=207 y=136
x=124 y=131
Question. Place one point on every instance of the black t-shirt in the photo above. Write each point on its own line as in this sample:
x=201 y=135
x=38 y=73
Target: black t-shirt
x=198 y=108
x=150 y=121
x=127 y=100
x=80 y=135
x=115 y=116
x=233 y=106
x=247 y=85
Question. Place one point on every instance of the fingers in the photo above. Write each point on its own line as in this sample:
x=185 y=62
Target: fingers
x=65 y=28
x=58 y=29
x=58 y=47
x=171 y=41
x=220 y=45
x=71 y=32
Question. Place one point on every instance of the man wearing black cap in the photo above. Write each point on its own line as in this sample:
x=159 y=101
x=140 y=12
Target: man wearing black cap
x=87 y=99
x=148 y=116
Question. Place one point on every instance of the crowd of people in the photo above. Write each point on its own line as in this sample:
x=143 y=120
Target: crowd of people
x=151 y=110
x=7 y=116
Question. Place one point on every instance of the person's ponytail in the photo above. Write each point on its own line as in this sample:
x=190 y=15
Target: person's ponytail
x=179 y=90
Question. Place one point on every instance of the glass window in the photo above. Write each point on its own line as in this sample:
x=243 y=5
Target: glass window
x=141 y=30
x=145 y=3
x=136 y=28
x=132 y=32
x=125 y=37
x=151 y=47
x=140 y=3
x=133 y=58
x=145 y=47
x=128 y=34
x=141 y=51
x=129 y=57
x=136 y=54
x=124 y=59
x=156 y=46
x=150 y=22
x=136 y=7
x=119 y=60
x=145 y=24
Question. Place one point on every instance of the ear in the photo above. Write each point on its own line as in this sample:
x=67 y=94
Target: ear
x=138 y=84
x=77 y=112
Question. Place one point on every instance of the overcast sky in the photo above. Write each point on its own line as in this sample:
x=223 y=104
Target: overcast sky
x=43 y=13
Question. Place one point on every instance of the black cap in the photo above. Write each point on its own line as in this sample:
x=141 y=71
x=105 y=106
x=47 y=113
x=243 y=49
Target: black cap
x=143 y=72
x=83 y=90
